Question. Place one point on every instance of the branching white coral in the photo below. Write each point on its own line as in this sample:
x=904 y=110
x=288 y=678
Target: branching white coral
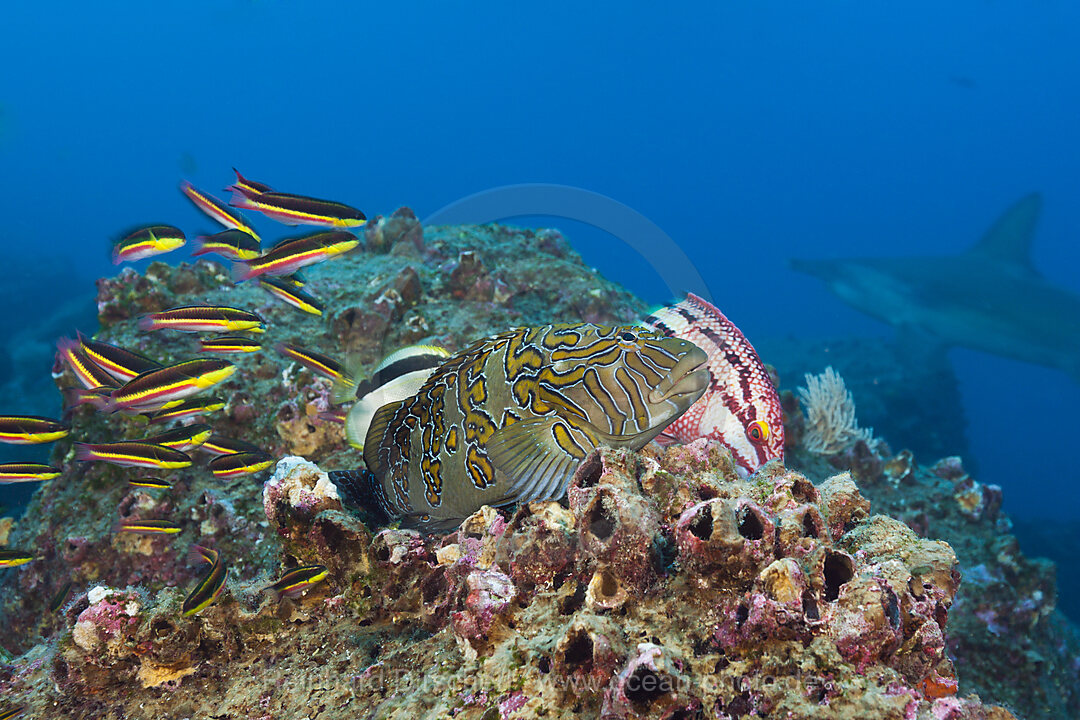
x=831 y=426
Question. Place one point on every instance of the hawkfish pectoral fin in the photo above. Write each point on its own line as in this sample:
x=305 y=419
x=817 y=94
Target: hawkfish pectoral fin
x=633 y=442
x=537 y=456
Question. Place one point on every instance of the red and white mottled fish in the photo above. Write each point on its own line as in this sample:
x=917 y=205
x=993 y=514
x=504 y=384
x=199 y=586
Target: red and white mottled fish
x=741 y=407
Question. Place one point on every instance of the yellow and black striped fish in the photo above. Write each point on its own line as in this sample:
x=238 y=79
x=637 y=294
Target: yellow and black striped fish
x=120 y=363
x=31 y=429
x=509 y=418
x=210 y=584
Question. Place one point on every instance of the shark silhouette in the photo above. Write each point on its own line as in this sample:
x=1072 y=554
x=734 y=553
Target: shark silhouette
x=989 y=298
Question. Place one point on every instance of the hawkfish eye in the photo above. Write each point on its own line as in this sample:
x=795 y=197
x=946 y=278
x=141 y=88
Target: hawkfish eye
x=628 y=336
x=758 y=431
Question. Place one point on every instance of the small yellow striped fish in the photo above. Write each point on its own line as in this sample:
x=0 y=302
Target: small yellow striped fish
x=296 y=582
x=196 y=407
x=210 y=584
x=148 y=527
x=166 y=388
x=218 y=445
x=229 y=345
x=119 y=362
x=133 y=454
x=239 y=464
x=30 y=430
x=183 y=438
x=217 y=210
x=315 y=362
x=14 y=558
x=203 y=318
x=15 y=472
x=147 y=242
x=289 y=294
x=509 y=418
x=151 y=483
x=89 y=374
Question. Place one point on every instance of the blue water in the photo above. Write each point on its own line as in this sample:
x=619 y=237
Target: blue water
x=750 y=132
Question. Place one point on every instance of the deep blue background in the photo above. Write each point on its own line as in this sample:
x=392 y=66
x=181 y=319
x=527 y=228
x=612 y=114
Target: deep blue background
x=750 y=131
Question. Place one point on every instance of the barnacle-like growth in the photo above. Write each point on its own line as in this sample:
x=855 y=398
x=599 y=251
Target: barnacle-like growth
x=831 y=426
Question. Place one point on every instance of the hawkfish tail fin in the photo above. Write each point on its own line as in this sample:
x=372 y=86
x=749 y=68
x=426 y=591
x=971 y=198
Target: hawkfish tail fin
x=362 y=490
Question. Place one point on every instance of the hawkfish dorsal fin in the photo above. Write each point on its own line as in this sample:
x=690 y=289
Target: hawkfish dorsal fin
x=537 y=456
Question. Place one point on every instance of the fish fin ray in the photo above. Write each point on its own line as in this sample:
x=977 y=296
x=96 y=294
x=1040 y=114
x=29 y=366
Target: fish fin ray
x=375 y=433
x=528 y=455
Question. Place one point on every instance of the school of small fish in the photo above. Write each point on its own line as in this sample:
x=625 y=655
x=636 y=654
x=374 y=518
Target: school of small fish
x=115 y=379
x=505 y=420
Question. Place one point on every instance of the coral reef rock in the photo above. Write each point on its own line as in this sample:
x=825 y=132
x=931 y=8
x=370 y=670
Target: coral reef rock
x=663 y=586
x=708 y=595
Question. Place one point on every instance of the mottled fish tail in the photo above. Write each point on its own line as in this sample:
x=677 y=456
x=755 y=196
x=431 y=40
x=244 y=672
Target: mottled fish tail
x=361 y=489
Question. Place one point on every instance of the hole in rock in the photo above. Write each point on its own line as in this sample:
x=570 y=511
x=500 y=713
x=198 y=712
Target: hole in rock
x=435 y=587
x=664 y=552
x=740 y=705
x=892 y=609
x=803 y=490
x=838 y=570
x=382 y=553
x=544 y=665
x=590 y=470
x=609 y=586
x=809 y=606
x=701 y=525
x=810 y=525
x=644 y=686
x=572 y=603
x=707 y=492
x=751 y=526
x=579 y=652
x=599 y=521
x=161 y=628
x=335 y=538
x=741 y=615
x=941 y=615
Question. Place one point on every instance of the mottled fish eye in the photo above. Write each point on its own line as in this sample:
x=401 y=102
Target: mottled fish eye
x=758 y=431
x=627 y=336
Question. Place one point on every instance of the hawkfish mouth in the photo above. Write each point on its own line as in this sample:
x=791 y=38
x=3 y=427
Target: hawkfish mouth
x=689 y=378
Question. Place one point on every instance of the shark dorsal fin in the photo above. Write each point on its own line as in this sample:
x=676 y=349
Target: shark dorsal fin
x=1009 y=239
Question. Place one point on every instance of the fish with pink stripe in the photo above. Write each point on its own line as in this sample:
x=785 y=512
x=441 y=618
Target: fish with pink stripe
x=740 y=407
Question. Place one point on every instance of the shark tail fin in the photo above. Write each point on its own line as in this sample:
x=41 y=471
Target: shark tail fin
x=1009 y=239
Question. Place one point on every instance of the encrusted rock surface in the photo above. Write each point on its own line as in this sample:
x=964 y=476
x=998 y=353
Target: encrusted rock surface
x=664 y=585
x=629 y=611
